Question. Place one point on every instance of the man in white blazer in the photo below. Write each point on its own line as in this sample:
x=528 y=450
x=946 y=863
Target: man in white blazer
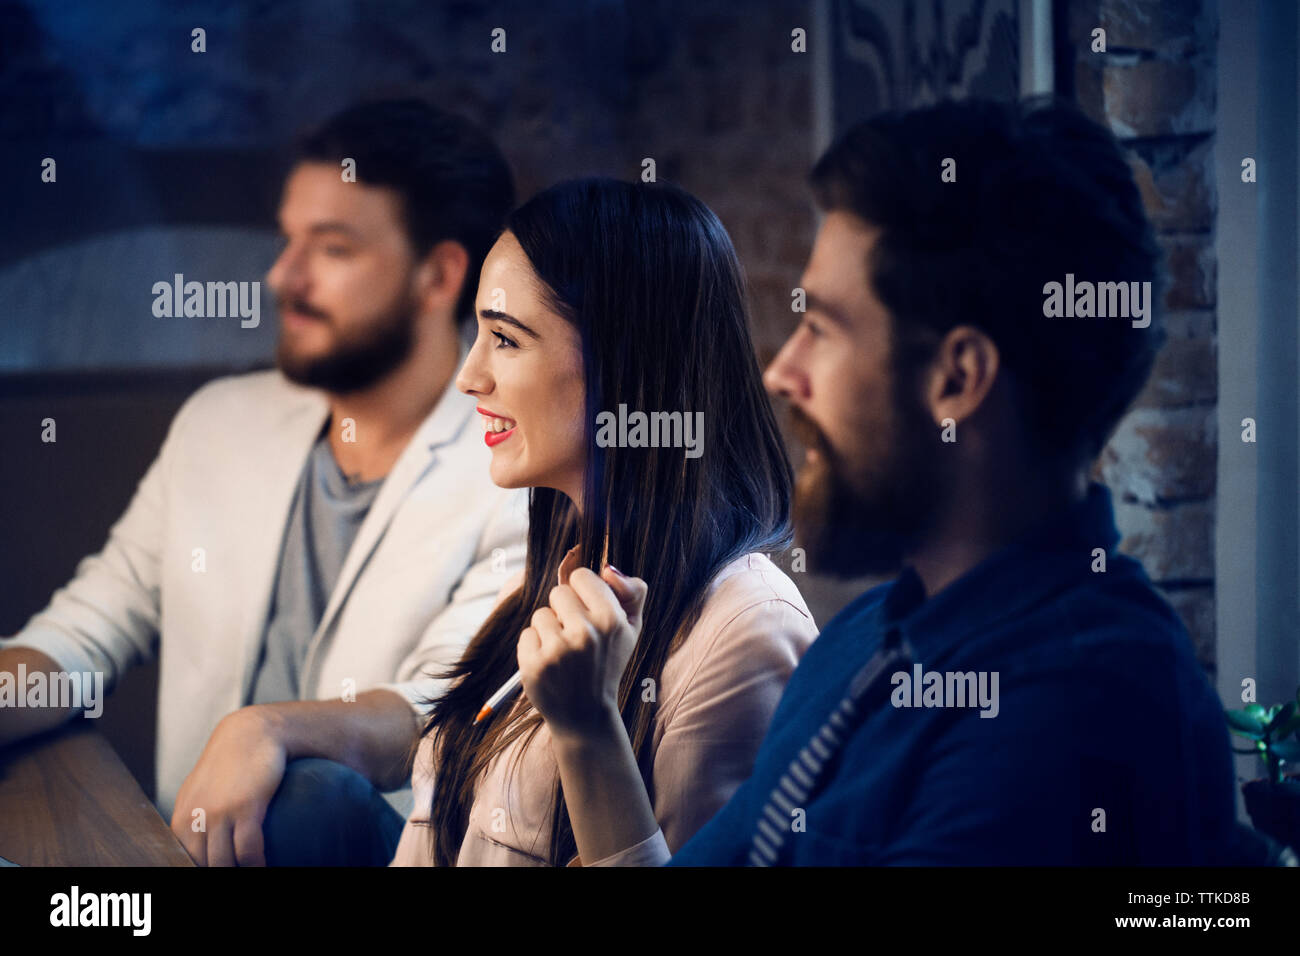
x=313 y=544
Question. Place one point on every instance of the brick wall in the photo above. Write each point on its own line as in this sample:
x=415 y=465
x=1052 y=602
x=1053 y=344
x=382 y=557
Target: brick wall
x=727 y=112
x=1155 y=88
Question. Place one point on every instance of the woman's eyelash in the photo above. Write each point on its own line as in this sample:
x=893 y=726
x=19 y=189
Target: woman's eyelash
x=505 y=342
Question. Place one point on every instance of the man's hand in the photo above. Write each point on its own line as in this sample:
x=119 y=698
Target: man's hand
x=19 y=723
x=233 y=783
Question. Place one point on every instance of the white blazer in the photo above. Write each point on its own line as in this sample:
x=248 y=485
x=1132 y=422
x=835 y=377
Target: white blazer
x=193 y=560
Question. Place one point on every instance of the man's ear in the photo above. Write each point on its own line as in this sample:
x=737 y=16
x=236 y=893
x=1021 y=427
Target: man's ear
x=441 y=275
x=961 y=375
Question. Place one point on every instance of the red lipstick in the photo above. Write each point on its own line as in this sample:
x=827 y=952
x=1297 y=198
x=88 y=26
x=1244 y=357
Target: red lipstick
x=491 y=438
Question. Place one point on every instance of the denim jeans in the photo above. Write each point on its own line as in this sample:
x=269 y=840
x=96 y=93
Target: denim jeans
x=326 y=814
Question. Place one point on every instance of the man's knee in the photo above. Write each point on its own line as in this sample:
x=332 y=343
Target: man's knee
x=320 y=816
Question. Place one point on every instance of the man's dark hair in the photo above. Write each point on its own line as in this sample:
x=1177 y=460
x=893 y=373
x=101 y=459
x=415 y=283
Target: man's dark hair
x=451 y=177
x=1040 y=191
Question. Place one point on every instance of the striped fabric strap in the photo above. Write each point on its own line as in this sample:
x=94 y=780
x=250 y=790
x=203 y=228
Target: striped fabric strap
x=803 y=775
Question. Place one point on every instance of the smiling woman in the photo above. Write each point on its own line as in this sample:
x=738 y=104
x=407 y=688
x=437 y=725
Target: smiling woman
x=526 y=371
x=588 y=302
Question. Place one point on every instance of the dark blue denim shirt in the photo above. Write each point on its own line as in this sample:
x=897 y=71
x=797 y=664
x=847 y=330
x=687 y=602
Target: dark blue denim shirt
x=1108 y=745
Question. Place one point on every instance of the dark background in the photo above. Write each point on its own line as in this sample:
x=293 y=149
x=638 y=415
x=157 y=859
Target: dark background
x=171 y=161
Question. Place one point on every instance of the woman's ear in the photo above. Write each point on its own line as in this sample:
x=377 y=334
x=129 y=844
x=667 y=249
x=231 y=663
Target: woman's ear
x=961 y=375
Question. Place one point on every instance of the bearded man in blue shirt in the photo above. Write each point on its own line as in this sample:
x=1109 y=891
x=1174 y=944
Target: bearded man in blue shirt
x=951 y=425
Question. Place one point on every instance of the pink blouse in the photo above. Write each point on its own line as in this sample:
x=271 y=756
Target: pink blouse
x=718 y=692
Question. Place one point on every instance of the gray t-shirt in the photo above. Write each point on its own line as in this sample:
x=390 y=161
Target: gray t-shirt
x=326 y=514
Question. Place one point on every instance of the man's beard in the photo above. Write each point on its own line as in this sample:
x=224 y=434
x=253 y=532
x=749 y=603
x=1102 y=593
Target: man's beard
x=353 y=364
x=853 y=525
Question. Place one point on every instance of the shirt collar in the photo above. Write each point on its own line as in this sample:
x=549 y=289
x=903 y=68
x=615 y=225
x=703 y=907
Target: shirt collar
x=1006 y=583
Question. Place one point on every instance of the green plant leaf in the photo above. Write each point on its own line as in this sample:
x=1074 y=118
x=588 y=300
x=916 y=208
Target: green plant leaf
x=1287 y=749
x=1244 y=722
x=1290 y=726
x=1257 y=711
x=1284 y=713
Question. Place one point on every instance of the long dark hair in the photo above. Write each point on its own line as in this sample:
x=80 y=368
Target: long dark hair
x=648 y=276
